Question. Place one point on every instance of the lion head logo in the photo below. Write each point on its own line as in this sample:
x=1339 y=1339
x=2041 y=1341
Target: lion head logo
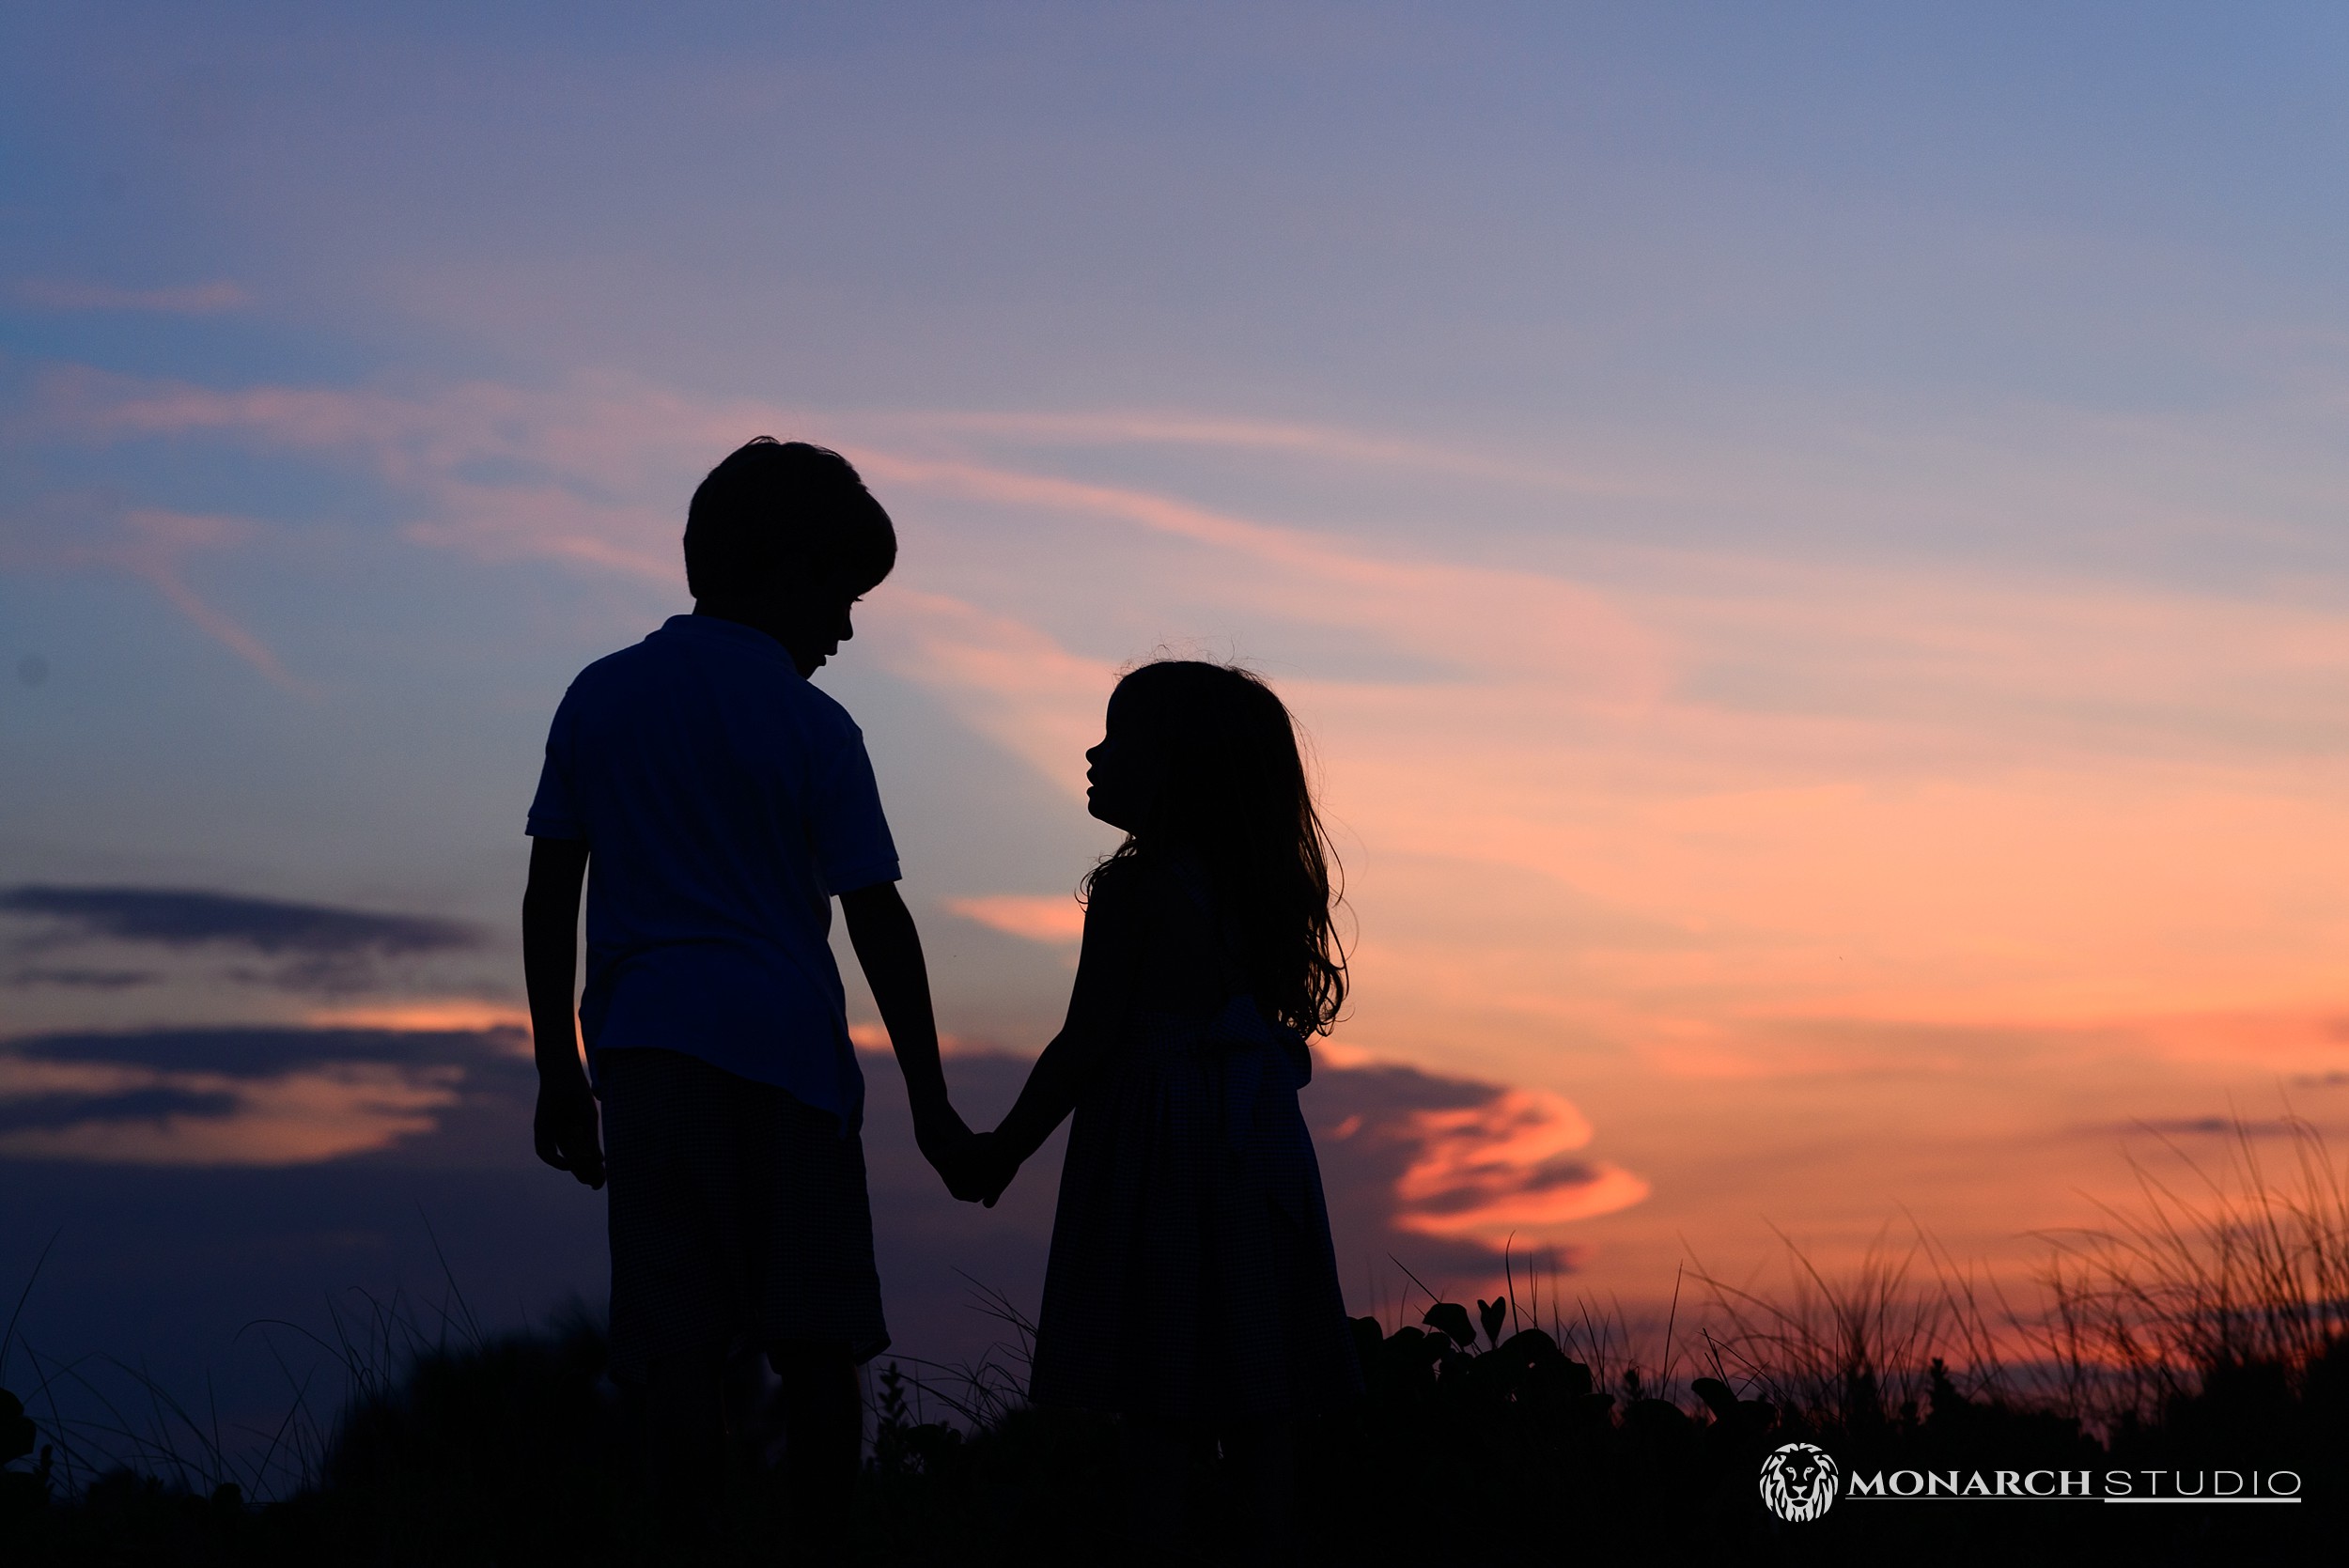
x=1798 y=1483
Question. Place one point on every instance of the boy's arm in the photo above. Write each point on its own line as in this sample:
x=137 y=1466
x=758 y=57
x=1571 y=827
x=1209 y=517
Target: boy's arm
x=881 y=930
x=565 y=1128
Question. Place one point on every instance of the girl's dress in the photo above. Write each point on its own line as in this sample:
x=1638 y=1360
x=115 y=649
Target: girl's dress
x=1192 y=1275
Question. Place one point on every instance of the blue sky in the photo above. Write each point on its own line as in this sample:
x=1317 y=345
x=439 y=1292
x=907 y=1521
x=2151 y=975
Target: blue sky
x=1808 y=538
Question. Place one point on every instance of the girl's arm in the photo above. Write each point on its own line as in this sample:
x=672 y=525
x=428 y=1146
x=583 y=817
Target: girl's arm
x=1097 y=1008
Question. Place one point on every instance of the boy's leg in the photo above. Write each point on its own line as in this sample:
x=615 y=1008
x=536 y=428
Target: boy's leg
x=823 y=1424
x=685 y=1442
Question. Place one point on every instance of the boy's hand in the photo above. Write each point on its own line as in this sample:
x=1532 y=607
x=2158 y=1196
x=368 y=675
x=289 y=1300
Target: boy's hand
x=564 y=1131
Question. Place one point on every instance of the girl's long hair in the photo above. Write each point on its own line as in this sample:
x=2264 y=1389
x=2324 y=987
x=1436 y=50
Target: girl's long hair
x=1232 y=791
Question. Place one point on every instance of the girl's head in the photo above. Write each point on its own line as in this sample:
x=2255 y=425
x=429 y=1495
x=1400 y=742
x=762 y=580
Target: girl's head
x=1204 y=758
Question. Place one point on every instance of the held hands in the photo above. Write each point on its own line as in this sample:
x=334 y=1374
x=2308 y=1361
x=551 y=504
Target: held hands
x=946 y=1139
x=565 y=1128
x=975 y=1166
x=979 y=1170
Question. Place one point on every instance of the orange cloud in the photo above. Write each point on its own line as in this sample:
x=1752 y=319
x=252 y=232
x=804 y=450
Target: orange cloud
x=427 y=1015
x=874 y=1036
x=298 y=1118
x=1817 y=883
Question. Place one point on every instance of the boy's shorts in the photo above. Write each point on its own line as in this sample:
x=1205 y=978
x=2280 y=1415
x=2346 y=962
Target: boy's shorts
x=738 y=1214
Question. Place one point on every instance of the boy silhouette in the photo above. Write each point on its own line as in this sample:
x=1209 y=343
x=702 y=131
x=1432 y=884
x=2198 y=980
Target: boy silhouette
x=723 y=801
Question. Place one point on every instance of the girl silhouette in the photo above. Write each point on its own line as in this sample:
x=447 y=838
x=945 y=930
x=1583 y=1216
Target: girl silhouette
x=1193 y=1289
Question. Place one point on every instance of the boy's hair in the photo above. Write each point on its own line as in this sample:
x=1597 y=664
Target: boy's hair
x=776 y=512
x=1232 y=791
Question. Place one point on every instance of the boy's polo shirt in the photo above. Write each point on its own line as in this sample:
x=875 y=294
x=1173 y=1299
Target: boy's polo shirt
x=723 y=800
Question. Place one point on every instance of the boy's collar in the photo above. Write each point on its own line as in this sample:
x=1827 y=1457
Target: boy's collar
x=718 y=626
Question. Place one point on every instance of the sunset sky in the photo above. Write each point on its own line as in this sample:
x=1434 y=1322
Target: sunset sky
x=1808 y=541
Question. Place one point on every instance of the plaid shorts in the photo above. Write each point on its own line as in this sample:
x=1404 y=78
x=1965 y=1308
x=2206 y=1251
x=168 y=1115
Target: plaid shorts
x=738 y=1214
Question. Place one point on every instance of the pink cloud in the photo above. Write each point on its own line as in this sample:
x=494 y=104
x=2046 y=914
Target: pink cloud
x=243 y=643
x=1322 y=442
x=1014 y=683
x=295 y=1118
x=1634 y=830
x=154 y=545
x=427 y=1014
x=1487 y=619
x=1055 y=921
x=1500 y=1169
x=1929 y=742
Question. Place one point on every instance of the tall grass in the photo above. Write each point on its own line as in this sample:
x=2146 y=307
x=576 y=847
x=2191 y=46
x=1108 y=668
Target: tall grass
x=2222 y=1265
x=2207 y=1318
x=2233 y=1266
x=1861 y=1347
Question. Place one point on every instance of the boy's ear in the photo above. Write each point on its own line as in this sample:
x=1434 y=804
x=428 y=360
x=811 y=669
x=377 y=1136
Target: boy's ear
x=827 y=591
x=847 y=587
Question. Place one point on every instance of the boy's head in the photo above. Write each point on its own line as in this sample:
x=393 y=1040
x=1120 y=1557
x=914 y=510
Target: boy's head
x=784 y=536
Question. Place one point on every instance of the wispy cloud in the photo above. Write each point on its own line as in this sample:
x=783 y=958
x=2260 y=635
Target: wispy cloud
x=1659 y=814
x=1771 y=754
x=158 y=545
x=152 y=544
x=1324 y=443
x=219 y=1098
x=182 y=916
x=314 y=947
x=193 y=298
x=1011 y=681
x=1057 y=921
x=81 y=977
x=196 y=1118
x=1488 y=620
